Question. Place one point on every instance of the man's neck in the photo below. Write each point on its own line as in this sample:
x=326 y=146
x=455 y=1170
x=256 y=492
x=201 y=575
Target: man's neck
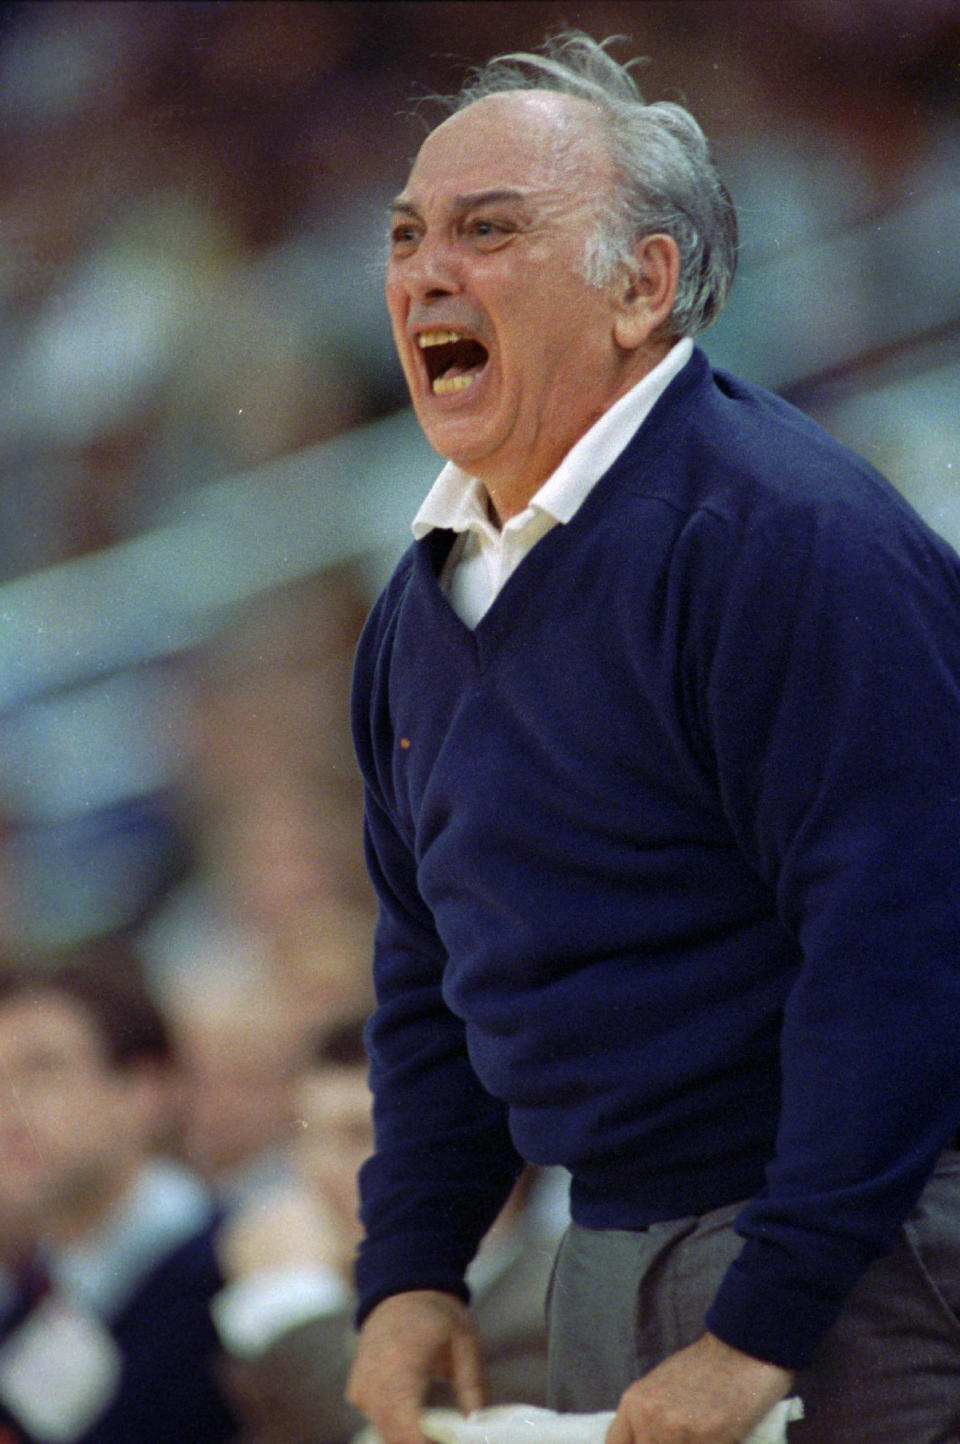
x=511 y=492
x=493 y=515
x=86 y=1209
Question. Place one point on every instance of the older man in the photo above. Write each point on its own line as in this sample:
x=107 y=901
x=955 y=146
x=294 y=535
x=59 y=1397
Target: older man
x=659 y=725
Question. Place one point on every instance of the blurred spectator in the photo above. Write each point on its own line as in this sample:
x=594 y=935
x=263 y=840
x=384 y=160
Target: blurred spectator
x=241 y=1027
x=241 y=1043
x=286 y=1315
x=241 y=1038
x=106 y=1337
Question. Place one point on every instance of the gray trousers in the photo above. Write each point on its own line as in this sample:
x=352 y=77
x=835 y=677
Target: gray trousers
x=887 y=1373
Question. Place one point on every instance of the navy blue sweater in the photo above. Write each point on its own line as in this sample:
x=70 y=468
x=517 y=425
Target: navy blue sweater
x=169 y=1390
x=668 y=858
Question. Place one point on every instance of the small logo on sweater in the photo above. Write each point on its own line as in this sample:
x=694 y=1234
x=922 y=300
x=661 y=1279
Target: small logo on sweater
x=404 y=744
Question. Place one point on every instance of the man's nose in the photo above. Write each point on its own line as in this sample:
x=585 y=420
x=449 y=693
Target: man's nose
x=434 y=270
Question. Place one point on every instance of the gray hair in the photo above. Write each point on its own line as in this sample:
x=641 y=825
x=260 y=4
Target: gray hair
x=666 y=182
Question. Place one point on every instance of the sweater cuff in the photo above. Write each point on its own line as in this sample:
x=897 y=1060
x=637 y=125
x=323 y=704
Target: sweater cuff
x=404 y=1264
x=766 y=1308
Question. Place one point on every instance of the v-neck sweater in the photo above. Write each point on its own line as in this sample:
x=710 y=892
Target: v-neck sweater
x=666 y=854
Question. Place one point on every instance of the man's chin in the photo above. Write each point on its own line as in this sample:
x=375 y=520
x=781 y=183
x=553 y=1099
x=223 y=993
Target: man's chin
x=458 y=438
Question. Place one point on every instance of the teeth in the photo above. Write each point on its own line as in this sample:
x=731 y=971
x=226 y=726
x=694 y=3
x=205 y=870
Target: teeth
x=438 y=338
x=445 y=384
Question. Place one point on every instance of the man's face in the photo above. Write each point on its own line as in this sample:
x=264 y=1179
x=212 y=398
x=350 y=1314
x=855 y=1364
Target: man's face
x=68 y=1120
x=486 y=244
x=237 y=1085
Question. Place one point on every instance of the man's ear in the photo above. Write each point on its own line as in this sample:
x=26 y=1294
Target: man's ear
x=647 y=292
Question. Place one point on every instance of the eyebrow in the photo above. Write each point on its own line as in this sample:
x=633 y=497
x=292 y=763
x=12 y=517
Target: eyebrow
x=467 y=202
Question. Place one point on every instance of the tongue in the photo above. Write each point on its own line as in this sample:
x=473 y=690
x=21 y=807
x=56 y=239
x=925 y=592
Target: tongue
x=459 y=369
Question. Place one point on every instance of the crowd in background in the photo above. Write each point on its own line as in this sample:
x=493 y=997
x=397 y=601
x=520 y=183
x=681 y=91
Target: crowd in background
x=192 y=201
x=191 y=212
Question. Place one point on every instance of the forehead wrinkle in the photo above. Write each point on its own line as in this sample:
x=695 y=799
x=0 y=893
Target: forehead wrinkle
x=563 y=176
x=548 y=204
x=492 y=195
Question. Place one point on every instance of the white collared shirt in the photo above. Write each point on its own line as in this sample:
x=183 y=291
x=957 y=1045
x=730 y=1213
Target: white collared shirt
x=484 y=555
x=166 y=1206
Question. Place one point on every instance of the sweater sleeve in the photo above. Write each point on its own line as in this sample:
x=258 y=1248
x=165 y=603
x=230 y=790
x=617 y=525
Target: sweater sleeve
x=828 y=693
x=443 y=1163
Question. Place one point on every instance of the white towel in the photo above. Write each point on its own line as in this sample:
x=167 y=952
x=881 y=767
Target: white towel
x=524 y=1424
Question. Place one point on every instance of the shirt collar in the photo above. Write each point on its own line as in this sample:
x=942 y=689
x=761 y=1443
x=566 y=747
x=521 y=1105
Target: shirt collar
x=457 y=501
x=165 y=1207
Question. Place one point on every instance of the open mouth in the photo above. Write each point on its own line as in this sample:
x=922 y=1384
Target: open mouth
x=453 y=361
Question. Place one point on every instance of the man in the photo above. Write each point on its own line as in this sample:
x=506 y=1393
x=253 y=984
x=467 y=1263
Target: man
x=105 y=1332
x=286 y=1314
x=659 y=726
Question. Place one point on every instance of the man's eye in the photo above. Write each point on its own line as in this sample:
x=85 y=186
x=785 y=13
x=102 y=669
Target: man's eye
x=487 y=230
x=403 y=236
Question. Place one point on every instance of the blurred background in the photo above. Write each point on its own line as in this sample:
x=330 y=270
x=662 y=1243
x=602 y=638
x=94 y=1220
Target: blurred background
x=207 y=466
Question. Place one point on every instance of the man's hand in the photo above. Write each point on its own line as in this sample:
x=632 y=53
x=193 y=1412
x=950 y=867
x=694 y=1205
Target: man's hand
x=286 y=1227
x=708 y=1393
x=406 y=1341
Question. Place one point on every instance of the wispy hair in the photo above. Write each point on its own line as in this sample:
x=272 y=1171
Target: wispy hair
x=666 y=180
